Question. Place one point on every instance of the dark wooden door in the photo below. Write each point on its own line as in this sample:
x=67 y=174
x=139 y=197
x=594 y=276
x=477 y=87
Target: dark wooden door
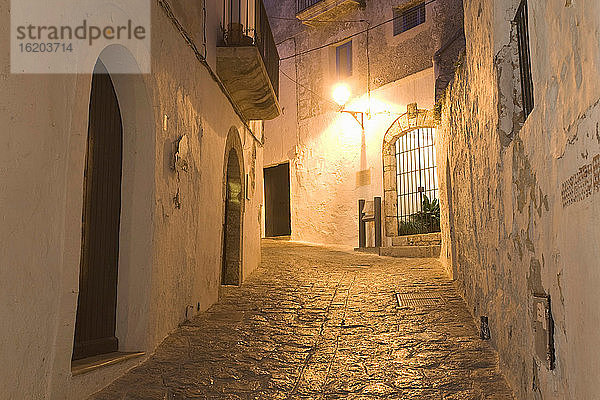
x=97 y=302
x=277 y=201
x=232 y=227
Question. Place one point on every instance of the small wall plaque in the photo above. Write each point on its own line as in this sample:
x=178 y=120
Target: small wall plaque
x=412 y=110
x=363 y=178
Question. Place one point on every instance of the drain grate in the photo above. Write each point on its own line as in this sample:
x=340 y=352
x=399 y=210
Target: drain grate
x=417 y=299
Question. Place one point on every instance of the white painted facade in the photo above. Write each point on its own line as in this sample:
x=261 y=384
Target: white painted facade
x=169 y=257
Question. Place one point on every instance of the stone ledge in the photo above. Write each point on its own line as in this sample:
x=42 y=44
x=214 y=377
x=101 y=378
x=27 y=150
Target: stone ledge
x=426 y=239
x=411 y=251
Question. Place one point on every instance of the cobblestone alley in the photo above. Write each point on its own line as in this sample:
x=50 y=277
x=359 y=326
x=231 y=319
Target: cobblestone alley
x=319 y=323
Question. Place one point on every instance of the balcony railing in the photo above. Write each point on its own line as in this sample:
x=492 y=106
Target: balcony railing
x=302 y=5
x=266 y=44
x=248 y=61
x=245 y=23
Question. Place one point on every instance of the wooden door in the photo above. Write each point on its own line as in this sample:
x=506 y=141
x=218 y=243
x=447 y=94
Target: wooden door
x=232 y=227
x=277 y=201
x=96 y=306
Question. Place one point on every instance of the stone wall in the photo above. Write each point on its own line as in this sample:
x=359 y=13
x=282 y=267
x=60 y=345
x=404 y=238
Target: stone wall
x=519 y=205
x=172 y=213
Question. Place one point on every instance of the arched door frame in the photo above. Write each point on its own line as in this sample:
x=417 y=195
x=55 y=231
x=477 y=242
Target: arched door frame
x=96 y=317
x=401 y=126
x=136 y=266
x=234 y=144
x=136 y=255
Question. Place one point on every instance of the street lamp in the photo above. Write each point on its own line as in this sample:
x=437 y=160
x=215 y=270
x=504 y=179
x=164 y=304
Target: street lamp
x=341 y=95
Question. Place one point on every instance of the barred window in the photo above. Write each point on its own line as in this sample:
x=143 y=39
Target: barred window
x=408 y=19
x=302 y=5
x=522 y=23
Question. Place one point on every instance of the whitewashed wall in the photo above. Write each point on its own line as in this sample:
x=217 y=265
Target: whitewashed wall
x=170 y=258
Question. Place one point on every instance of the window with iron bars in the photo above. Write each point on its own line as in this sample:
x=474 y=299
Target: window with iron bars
x=522 y=24
x=408 y=19
x=302 y=5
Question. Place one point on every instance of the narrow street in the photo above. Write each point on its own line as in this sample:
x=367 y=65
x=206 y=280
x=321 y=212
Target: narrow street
x=319 y=323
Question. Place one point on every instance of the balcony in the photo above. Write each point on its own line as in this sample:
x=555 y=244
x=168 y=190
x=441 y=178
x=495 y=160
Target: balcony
x=248 y=61
x=314 y=12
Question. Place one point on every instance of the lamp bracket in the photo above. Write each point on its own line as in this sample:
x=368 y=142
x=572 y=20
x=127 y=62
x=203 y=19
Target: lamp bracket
x=359 y=116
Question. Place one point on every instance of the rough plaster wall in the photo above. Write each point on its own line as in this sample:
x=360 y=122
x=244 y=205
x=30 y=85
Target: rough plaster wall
x=41 y=180
x=506 y=232
x=323 y=146
x=282 y=139
x=32 y=194
x=390 y=57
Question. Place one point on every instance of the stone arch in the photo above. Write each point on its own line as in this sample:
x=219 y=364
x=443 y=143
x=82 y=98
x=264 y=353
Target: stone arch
x=401 y=126
x=233 y=210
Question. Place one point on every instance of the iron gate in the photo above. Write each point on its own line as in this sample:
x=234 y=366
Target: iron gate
x=417 y=183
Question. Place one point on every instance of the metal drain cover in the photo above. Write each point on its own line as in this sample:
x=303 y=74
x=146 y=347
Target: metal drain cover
x=417 y=299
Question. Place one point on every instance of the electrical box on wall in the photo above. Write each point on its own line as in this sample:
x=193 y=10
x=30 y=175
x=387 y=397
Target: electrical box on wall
x=543 y=330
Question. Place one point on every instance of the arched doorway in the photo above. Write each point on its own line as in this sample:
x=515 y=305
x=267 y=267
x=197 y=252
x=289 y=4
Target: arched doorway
x=410 y=175
x=97 y=301
x=231 y=273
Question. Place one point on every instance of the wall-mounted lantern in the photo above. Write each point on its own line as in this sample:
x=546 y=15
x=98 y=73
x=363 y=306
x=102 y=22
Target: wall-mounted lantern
x=341 y=95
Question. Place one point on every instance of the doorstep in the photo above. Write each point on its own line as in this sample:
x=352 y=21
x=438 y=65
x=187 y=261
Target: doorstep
x=89 y=364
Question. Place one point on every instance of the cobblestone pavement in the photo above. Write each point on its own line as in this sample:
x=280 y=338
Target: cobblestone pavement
x=318 y=323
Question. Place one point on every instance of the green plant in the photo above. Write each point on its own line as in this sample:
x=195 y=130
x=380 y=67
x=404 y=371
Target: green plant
x=425 y=221
x=431 y=208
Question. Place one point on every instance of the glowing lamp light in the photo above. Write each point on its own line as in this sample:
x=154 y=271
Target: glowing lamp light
x=341 y=93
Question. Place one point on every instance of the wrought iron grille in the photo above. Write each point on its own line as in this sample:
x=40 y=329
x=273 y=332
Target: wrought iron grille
x=302 y=5
x=266 y=45
x=522 y=23
x=245 y=23
x=408 y=19
x=417 y=183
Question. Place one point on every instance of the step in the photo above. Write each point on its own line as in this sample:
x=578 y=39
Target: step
x=411 y=251
x=425 y=239
x=369 y=250
x=286 y=238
